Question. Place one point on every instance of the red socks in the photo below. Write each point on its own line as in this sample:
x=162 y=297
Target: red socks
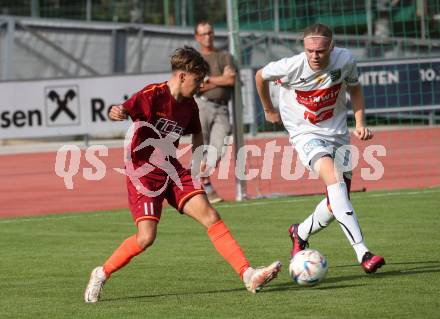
x=227 y=247
x=218 y=233
x=122 y=255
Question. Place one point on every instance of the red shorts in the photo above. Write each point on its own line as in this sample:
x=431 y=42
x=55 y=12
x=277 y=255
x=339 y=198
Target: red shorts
x=145 y=205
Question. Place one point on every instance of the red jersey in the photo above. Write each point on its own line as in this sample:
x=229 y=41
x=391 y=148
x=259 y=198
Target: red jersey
x=163 y=121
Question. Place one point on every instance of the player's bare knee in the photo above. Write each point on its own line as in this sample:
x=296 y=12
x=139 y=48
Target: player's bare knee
x=145 y=240
x=211 y=217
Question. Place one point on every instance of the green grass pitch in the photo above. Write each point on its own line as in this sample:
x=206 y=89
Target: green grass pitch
x=45 y=263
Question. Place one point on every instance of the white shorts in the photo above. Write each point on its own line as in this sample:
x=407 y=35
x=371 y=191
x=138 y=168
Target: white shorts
x=311 y=147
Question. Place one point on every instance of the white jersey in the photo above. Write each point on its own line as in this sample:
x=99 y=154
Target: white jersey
x=313 y=101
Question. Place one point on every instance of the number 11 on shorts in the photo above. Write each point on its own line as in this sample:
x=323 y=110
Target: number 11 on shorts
x=149 y=209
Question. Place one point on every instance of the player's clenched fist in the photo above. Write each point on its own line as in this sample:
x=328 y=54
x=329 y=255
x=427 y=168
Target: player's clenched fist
x=117 y=113
x=272 y=116
x=363 y=133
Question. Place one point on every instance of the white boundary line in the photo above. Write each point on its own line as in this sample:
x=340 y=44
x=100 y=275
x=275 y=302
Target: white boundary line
x=224 y=206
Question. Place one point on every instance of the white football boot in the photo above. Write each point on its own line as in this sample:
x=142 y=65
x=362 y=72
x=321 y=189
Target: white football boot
x=256 y=279
x=94 y=287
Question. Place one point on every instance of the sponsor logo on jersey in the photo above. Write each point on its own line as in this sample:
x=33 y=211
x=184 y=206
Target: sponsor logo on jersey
x=166 y=126
x=321 y=79
x=335 y=75
x=316 y=118
x=314 y=100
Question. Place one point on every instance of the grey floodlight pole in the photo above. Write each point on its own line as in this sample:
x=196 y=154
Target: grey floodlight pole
x=234 y=47
x=8 y=50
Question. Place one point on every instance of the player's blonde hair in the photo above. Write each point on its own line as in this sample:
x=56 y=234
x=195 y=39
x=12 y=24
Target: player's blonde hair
x=189 y=60
x=319 y=30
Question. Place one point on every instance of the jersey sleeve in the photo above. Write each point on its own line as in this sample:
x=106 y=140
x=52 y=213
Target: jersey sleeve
x=138 y=106
x=279 y=69
x=352 y=78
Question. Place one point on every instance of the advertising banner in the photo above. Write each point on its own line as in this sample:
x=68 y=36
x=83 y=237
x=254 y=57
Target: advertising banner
x=401 y=83
x=62 y=107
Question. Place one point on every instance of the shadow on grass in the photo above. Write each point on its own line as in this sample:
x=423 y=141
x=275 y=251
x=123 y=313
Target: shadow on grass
x=436 y=262
x=271 y=288
x=431 y=266
x=293 y=286
x=425 y=267
x=428 y=267
x=193 y=293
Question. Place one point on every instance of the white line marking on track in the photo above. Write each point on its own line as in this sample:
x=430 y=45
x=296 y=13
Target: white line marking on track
x=261 y=202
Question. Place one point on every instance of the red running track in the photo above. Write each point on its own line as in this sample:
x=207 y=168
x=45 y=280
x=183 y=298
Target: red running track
x=29 y=185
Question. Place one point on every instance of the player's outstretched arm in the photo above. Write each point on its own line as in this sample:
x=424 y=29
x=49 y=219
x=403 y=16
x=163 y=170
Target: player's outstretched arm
x=117 y=113
x=270 y=113
x=357 y=100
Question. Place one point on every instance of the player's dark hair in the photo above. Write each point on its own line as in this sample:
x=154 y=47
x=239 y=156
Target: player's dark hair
x=189 y=60
x=319 y=30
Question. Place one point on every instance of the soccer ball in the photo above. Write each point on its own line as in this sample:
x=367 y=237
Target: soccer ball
x=308 y=267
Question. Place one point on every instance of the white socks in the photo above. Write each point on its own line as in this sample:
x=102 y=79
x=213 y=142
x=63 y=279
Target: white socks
x=344 y=214
x=318 y=220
